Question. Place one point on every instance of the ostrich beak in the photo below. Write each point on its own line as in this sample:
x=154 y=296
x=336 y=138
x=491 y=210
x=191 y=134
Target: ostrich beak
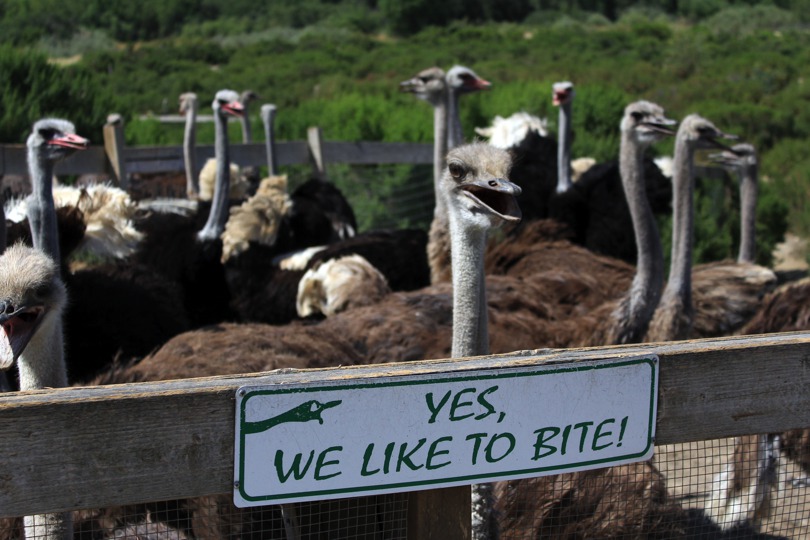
x=235 y=108
x=18 y=327
x=70 y=141
x=496 y=196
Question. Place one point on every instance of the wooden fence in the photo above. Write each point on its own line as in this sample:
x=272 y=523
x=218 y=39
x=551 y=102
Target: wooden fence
x=116 y=159
x=90 y=447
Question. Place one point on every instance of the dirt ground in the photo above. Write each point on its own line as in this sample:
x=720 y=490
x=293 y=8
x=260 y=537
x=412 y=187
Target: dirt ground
x=690 y=468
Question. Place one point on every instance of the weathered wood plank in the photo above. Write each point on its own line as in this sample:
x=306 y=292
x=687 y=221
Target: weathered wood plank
x=152 y=441
x=168 y=159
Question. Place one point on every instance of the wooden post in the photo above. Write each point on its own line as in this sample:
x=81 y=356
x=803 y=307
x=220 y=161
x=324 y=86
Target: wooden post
x=114 y=146
x=439 y=514
x=315 y=143
x=268 y=117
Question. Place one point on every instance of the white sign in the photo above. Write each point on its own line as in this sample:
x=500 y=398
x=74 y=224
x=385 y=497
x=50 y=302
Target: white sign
x=371 y=436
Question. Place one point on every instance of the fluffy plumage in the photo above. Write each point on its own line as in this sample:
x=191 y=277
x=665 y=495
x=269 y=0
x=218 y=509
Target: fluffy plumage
x=339 y=284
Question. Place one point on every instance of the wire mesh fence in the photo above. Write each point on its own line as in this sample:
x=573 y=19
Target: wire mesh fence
x=744 y=487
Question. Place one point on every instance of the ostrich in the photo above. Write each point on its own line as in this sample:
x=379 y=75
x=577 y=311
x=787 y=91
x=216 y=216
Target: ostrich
x=674 y=319
x=33 y=295
x=32 y=298
x=586 y=504
x=189 y=107
x=187 y=253
x=105 y=300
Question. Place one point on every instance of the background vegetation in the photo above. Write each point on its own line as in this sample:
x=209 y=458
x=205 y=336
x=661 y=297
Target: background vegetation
x=337 y=64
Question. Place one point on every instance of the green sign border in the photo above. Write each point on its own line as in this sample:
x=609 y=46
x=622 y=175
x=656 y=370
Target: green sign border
x=479 y=375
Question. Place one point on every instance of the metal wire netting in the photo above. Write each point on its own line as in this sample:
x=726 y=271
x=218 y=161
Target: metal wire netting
x=752 y=487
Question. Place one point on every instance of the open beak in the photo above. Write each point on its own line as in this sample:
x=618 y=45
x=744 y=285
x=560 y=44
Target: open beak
x=235 y=108
x=70 y=141
x=661 y=125
x=17 y=329
x=496 y=196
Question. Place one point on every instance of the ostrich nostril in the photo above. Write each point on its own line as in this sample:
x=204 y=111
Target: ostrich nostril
x=493 y=183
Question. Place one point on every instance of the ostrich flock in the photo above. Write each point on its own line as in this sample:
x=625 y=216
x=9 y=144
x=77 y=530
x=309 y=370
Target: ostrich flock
x=245 y=275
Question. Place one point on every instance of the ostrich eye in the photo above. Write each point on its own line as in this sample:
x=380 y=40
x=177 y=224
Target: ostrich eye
x=47 y=133
x=456 y=170
x=42 y=291
x=637 y=116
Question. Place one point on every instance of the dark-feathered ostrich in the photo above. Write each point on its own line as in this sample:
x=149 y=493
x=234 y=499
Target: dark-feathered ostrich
x=186 y=252
x=593 y=207
x=126 y=308
x=711 y=299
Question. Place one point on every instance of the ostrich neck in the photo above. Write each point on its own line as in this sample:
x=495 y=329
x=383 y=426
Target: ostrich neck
x=564 y=149
x=42 y=365
x=679 y=284
x=219 y=206
x=245 y=120
x=189 y=145
x=645 y=291
x=470 y=330
x=41 y=208
x=455 y=134
x=438 y=247
x=268 y=117
x=748 y=214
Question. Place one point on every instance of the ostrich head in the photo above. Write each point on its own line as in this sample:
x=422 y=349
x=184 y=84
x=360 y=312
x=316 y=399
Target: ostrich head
x=54 y=139
x=226 y=102
x=477 y=188
x=429 y=85
x=701 y=134
x=463 y=80
x=188 y=102
x=562 y=93
x=646 y=123
x=31 y=293
x=740 y=156
x=247 y=96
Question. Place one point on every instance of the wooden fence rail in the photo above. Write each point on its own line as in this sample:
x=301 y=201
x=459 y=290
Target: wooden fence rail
x=116 y=159
x=88 y=447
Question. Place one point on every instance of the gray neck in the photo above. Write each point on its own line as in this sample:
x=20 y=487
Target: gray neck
x=679 y=284
x=645 y=291
x=245 y=121
x=438 y=234
x=564 y=149
x=748 y=213
x=41 y=208
x=455 y=134
x=219 y=206
x=268 y=119
x=189 y=151
x=470 y=330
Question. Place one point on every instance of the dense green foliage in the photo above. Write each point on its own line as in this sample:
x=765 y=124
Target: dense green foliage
x=337 y=64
